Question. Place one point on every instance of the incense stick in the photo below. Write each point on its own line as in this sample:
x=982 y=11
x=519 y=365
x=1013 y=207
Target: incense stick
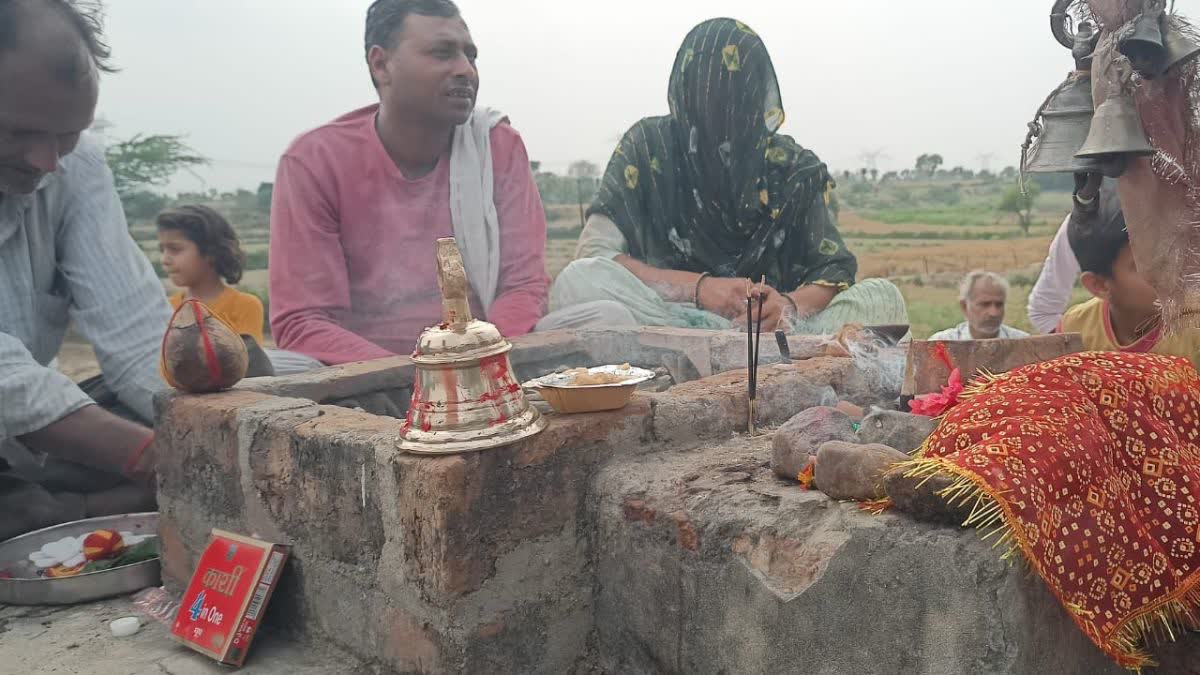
x=750 y=359
x=752 y=346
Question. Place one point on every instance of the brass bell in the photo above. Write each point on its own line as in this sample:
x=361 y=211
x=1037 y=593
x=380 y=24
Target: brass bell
x=1063 y=128
x=1178 y=47
x=1142 y=43
x=465 y=395
x=1116 y=130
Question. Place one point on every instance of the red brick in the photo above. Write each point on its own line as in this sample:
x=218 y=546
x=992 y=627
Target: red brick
x=410 y=646
x=686 y=535
x=571 y=432
x=176 y=561
x=635 y=510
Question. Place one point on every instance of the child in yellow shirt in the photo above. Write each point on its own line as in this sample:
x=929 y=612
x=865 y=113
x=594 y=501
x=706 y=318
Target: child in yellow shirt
x=1124 y=314
x=201 y=254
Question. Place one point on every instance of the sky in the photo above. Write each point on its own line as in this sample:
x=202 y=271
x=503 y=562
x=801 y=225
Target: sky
x=241 y=78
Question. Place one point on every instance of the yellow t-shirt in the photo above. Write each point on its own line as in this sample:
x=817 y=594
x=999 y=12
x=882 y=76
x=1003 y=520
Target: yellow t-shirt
x=1093 y=321
x=240 y=311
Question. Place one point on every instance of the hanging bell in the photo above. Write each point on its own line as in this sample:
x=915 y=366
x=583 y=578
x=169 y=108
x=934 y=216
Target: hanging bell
x=1141 y=41
x=465 y=395
x=1178 y=47
x=1063 y=128
x=1116 y=130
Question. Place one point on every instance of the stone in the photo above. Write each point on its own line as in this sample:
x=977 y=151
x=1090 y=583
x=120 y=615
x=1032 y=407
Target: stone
x=797 y=441
x=849 y=471
x=392 y=403
x=918 y=498
x=924 y=373
x=538 y=557
x=902 y=431
x=787 y=581
x=854 y=412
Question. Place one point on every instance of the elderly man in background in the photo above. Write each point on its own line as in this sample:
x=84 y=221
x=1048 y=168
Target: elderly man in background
x=66 y=257
x=982 y=297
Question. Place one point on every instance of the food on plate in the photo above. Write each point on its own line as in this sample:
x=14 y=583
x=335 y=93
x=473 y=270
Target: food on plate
x=93 y=552
x=585 y=377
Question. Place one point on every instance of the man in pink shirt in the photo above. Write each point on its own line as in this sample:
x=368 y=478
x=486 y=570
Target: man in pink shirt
x=360 y=202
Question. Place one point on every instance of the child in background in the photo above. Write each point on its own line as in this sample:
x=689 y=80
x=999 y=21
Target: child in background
x=201 y=255
x=1124 y=314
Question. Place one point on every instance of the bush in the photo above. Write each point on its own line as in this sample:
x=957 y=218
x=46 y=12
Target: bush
x=266 y=303
x=256 y=260
x=944 y=194
x=143 y=205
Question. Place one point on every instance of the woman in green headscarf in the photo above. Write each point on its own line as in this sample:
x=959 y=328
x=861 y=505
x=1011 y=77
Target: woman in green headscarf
x=695 y=203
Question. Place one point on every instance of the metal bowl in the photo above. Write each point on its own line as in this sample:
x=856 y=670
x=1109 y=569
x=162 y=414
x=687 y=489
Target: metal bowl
x=29 y=589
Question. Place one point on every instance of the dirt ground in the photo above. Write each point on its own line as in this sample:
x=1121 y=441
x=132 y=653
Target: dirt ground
x=76 y=640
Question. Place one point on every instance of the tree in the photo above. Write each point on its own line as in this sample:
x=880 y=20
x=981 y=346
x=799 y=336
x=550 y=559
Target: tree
x=1009 y=173
x=143 y=205
x=265 y=192
x=149 y=161
x=1019 y=202
x=874 y=175
x=929 y=163
x=584 y=173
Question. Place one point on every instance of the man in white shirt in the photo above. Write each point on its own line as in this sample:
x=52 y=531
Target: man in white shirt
x=66 y=257
x=1052 y=293
x=982 y=297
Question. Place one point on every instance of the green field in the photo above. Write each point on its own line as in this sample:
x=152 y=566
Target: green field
x=922 y=235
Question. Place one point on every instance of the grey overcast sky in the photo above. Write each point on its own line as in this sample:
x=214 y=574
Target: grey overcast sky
x=241 y=78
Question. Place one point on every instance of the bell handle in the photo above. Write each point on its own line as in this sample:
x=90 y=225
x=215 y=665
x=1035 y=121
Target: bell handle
x=1059 y=20
x=452 y=281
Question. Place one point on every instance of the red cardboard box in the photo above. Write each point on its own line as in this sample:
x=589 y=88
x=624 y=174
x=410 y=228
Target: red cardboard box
x=228 y=594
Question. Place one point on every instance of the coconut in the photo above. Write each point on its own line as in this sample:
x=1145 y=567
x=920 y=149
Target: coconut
x=200 y=353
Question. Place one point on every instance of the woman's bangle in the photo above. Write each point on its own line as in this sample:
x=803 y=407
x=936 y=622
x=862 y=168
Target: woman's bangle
x=136 y=457
x=792 y=302
x=703 y=276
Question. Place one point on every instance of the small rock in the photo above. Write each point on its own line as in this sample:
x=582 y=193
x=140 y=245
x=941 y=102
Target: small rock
x=918 y=498
x=852 y=471
x=797 y=441
x=852 y=411
x=902 y=431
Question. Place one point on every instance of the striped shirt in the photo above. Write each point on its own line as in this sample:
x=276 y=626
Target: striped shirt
x=66 y=257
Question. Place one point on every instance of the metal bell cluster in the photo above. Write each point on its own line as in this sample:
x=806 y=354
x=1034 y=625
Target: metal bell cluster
x=1152 y=43
x=1070 y=136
